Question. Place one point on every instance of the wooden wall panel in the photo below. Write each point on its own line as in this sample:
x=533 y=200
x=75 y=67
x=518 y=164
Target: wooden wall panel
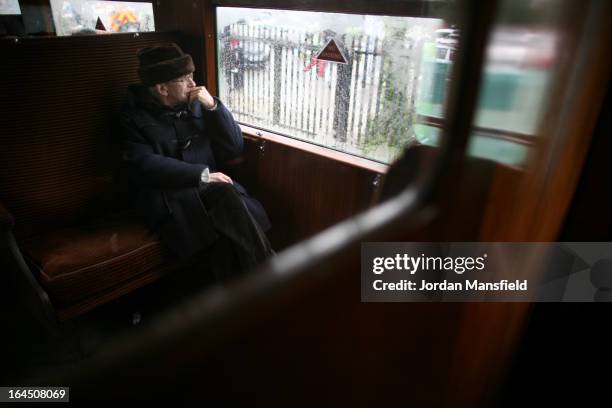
x=60 y=96
x=186 y=16
x=590 y=218
x=303 y=193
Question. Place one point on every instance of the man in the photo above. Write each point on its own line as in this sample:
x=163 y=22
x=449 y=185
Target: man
x=174 y=139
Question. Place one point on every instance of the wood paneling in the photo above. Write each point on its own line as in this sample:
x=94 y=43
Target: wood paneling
x=590 y=218
x=303 y=192
x=60 y=96
x=210 y=48
x=37 y=17
x=186 y=16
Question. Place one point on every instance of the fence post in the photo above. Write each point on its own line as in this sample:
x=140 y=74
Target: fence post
x=343 y=85
x=276 y=101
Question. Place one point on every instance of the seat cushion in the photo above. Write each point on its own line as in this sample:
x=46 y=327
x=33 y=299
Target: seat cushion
x=78 y=262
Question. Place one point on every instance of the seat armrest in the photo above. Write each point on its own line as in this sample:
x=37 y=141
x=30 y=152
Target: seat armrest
x=6 y=219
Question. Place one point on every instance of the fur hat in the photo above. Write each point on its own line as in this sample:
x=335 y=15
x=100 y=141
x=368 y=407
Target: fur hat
x=162 y=63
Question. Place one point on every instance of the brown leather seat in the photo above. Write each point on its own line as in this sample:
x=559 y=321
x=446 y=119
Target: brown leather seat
x=76 y=263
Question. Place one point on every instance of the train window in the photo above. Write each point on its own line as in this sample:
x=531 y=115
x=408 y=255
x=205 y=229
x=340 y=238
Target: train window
x=9 y=8
x=99 y=17
x=396 y=67
x=517 y=75
x=521 y=58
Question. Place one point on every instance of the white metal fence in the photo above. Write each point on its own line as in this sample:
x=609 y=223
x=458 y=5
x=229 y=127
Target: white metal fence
x=269 y=78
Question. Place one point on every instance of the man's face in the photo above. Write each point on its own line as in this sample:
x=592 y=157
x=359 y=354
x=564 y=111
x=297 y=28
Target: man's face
x=178 y=90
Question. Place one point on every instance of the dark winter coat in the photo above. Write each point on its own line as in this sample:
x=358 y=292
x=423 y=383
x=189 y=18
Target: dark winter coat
x=163 y=152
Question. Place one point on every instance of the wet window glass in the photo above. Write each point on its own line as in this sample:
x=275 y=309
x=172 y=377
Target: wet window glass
x=99 y=17
x=9 y=7
x=275 y=73
x=520 y=61
x=517 y=74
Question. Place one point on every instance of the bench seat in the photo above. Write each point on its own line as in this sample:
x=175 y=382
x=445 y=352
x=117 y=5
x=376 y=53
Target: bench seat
x=77 y=263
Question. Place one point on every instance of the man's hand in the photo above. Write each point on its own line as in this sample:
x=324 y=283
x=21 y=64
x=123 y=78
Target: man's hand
x=201 y=93
x=219 y=178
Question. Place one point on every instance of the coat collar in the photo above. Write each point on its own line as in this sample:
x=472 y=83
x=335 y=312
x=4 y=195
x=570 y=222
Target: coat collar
x=139 y=96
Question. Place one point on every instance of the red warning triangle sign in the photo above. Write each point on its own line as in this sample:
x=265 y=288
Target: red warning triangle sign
x=100 y=25
x=331 y=52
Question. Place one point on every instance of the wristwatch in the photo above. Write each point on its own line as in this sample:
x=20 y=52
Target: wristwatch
x=204 y=177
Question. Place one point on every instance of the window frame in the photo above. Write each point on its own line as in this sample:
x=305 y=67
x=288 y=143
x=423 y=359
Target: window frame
x=154 y=6
x=409 y=8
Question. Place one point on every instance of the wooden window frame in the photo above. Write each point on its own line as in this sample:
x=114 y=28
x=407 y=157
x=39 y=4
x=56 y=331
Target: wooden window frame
x=323 y=151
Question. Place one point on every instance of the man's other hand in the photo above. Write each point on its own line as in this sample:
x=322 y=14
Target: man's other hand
x=219 y=178
x=201 y=93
